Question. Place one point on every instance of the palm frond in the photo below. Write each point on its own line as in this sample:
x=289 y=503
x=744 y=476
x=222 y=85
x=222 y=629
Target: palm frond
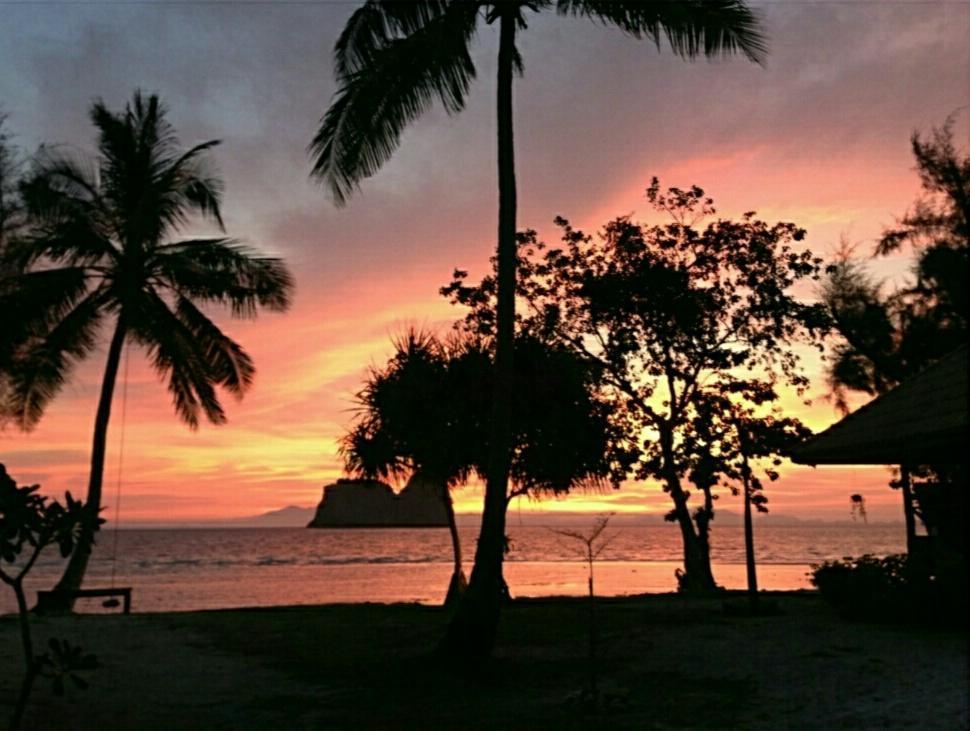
x=228 y=364
x=387 y=81
x=33 y=301
x=226 y=272
x=177 y=355
x=375 y=24
x=691 y=27
x=184 y=185
x=43 y=364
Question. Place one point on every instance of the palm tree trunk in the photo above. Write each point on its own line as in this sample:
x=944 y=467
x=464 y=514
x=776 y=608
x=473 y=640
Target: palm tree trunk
x=471 y=634
x=78 y=563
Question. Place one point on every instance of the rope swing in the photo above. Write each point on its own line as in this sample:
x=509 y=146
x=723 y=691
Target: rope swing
x=113 y=602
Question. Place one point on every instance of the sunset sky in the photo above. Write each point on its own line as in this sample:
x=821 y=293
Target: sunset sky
x=820 y=136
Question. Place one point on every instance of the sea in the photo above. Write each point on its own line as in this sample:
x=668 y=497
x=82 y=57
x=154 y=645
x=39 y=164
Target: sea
x=188 y=569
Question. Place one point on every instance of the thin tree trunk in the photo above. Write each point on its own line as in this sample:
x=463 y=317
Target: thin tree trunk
x=906 y=485
x=749 y=535
x=458 y=583
x=471 y=634
x=78 y=563
x=703 y=520
x=25 y=636
x=30 y=662
x=593 y=684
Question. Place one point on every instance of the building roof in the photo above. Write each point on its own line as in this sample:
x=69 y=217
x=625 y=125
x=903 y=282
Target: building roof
x=921 y=421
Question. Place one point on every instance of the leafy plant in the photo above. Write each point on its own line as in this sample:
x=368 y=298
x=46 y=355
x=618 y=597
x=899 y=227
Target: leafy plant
x=594 y=543
x=29 y=523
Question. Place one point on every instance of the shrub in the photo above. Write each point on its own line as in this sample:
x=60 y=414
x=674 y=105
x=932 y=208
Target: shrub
x=870 y=587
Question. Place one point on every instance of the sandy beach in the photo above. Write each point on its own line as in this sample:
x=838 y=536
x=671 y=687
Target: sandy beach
x=667 y=662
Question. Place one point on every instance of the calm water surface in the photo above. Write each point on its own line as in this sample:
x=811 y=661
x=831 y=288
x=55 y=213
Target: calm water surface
x=187 y=569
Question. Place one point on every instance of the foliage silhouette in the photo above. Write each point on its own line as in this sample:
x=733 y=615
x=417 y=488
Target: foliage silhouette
x=888 y=336
x=678 y=319
x=29 y=523
x=11 y=205
x=732 y=442
x=392 y=61
x=13 y=330
x=426 y=412
x=100 y=250
x=410 y=422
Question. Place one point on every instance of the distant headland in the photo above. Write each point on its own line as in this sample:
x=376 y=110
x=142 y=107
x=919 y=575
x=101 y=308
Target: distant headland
x=353 y=503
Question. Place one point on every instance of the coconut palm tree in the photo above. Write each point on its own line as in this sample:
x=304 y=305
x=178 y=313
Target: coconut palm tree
x=101 y=253
x=393 y=59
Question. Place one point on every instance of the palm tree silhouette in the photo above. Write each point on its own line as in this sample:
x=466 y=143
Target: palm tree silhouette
x=101 y=251
x=393 y=59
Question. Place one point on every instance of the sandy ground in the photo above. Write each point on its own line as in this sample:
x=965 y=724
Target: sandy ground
x=804 y=668
x=152 y=676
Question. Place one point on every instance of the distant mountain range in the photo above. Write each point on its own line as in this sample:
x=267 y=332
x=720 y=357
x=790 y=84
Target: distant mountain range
x=292 y=516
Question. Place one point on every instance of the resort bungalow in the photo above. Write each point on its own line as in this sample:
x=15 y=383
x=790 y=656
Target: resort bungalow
x=921 y=422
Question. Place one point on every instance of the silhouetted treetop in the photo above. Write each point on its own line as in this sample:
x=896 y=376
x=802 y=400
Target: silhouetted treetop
x=394 y=59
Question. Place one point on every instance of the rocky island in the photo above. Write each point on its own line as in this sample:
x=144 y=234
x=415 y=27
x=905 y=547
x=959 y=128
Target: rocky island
x=354 y=503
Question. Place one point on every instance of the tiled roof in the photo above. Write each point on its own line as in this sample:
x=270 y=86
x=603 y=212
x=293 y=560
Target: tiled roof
x=921 y=421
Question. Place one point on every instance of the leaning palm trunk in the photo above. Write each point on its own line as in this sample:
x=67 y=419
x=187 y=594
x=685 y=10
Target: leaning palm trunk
x=471 y=634
x=63 y=599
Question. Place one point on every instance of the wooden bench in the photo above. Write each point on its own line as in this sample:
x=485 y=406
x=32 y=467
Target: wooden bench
x=47 y=598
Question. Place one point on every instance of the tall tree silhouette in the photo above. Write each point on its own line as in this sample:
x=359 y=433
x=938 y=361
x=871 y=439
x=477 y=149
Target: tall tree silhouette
x=669 y=313
x=100 y=251
x=392 y=61
x=887 y=337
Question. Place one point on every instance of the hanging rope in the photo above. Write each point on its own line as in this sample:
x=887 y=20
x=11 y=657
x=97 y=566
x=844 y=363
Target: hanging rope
x=121 y=454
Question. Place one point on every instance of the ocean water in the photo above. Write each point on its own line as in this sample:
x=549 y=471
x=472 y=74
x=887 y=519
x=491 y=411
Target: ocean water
x=189 y=569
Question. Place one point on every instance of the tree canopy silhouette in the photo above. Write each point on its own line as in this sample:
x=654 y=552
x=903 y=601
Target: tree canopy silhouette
x=426 y=412
x=393 y=60
x=674 y=315
x=101 y=250
x=887 y=336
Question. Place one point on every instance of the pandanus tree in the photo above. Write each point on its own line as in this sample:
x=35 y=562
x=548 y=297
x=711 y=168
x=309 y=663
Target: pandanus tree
x=414 y=422
x=426 y=411
x=103 y=252
x=392 y=61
